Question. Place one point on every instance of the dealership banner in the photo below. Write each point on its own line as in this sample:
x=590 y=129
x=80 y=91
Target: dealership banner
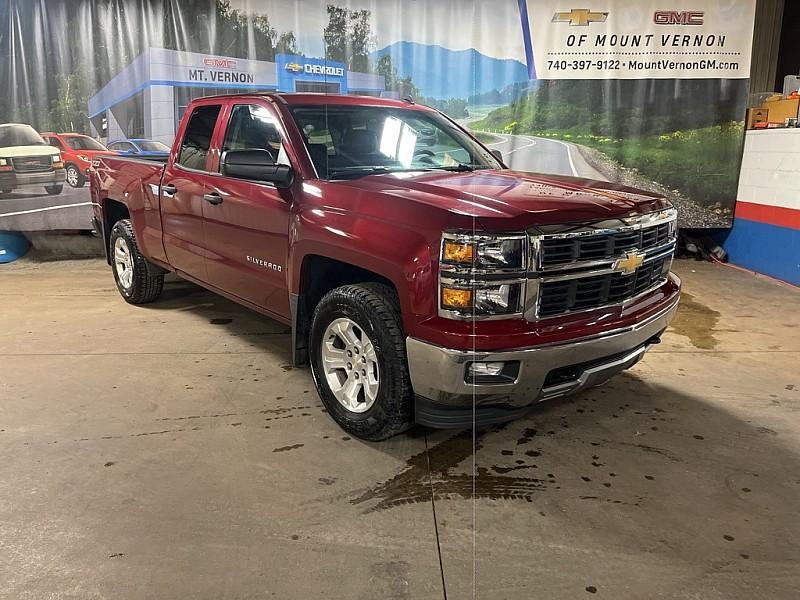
x=641 y=92
x=623 y=39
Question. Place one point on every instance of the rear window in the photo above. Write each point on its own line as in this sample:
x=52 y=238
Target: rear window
x=197 y=139
x=149 y=146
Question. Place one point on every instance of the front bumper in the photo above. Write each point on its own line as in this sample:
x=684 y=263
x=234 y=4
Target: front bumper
x=446 y=399
x=12 y=181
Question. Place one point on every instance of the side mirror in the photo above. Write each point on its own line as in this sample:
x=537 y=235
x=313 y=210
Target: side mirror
x=498 y=155
x=256 y=165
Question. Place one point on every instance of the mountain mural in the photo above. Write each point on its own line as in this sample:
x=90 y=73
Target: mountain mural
x=443 y=73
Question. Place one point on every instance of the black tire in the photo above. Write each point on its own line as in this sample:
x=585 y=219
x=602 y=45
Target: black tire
x=73 y=173
x=374 y=307
x=54 y=190
x=144 y=287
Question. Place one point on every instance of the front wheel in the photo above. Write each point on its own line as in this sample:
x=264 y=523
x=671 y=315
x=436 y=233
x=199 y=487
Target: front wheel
x=358 y=360
x=134 y=280
x=74 y=177
x=54 y=190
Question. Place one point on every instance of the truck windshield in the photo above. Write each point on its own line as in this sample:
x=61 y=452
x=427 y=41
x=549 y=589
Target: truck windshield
x=352 y=141
x=19 y=135
x=83 y=142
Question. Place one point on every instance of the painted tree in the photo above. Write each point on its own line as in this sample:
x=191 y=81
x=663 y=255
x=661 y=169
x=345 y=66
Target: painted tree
x=335 y=34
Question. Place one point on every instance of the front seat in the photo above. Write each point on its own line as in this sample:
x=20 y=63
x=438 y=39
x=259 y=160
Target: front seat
x=360 y=146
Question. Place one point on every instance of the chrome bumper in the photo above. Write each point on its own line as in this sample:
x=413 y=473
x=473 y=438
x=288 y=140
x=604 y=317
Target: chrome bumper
x=438 y=375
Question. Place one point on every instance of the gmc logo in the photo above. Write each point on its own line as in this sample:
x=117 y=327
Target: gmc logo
x=678 y=17
x=220 y=63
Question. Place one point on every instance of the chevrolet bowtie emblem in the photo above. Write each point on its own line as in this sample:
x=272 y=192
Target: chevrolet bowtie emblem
x=632 y=261
x=580 y=16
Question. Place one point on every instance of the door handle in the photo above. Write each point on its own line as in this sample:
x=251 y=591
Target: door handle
x=213 y=198
x=169 y=190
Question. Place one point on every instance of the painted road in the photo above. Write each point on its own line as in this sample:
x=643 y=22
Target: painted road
x=32 y=209
x=542 y=155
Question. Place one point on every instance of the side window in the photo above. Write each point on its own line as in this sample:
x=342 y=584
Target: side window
x=197 y=139
x=253 y=127
x=55 y=143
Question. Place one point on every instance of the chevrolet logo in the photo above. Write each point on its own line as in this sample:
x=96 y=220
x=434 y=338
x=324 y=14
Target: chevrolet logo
x=294 y=67
x=628 y=265
x=580 y=16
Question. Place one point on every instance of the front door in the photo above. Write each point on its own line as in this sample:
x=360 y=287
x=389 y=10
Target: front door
x=182 y=191
x=247 y=223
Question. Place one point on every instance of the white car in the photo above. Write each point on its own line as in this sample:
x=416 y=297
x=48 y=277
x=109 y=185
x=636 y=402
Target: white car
x=27 y=160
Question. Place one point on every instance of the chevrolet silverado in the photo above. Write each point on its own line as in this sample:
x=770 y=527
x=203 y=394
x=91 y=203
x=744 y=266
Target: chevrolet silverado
x=423 y=280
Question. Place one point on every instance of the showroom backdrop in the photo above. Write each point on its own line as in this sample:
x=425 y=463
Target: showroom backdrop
x=623 y=90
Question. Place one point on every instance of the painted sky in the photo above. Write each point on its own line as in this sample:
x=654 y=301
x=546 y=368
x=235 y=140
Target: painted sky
x=492 y=28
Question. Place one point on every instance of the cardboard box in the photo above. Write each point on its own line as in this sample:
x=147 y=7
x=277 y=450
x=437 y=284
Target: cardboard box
x=756 y=115
x=780 y=110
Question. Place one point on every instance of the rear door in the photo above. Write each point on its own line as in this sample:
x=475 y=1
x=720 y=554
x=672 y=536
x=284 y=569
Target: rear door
x=182 y=190
x=247 y=222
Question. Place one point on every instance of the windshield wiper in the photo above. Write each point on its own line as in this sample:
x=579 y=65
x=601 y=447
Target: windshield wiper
x=358 y=170
x=460 y=167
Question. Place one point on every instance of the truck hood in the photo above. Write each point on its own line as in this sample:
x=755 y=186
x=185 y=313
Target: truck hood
x=513 y=200
x=13 y=151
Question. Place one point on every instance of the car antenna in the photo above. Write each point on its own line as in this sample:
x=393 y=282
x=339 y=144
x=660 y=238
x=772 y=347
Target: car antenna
x=408 y=99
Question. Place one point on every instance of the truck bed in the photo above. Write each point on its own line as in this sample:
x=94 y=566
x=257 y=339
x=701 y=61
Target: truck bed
x=135 y=184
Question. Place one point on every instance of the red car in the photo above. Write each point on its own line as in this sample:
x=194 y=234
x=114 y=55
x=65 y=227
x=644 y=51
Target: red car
x=423 y=281
x=77 y=150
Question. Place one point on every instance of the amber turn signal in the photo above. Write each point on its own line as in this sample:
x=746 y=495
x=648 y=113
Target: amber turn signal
x=458 y=252
x=456 y=298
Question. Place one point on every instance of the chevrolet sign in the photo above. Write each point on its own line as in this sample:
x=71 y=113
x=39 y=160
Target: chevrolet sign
x=628 y=265
x=314 y=69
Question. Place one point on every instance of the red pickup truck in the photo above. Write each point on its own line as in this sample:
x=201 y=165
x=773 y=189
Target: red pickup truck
x=423 y=280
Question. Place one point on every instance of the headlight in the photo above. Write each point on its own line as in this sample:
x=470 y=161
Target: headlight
x=3 y=162
x=484 y=252
x=56 y=158
x=482 y=276
x=83 y=157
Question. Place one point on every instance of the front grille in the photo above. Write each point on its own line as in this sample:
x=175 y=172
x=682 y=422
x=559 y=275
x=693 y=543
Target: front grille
x=594 y=291
x=560 y=250
x=32 y=164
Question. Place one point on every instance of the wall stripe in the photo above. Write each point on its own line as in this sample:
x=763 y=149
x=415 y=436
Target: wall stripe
x=769 y=215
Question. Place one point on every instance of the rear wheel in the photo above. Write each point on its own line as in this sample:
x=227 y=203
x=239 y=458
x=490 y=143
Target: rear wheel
x=53 y=190
x=134 y=280
x=74 y=177
x=358 y=360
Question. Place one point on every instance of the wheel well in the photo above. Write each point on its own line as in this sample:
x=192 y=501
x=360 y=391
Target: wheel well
x=113 y=211
x=318 y=276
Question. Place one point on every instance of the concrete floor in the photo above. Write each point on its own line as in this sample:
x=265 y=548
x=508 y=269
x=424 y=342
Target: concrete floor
x=170 y=451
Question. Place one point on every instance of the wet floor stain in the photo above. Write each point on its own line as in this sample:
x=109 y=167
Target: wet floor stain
x=429 y=475
x=288 y=448
x=697 y=322
x=220 y=321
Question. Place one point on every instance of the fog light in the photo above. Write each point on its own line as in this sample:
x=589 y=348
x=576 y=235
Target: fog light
x=488 y=373
x=479 y=369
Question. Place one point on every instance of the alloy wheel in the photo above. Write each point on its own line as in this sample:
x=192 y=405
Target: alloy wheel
x=123 y=262
x=350 y=365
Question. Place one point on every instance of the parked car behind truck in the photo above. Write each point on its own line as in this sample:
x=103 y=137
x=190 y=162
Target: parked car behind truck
x=27 y=161
x=77 y=152
x=423 y=282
